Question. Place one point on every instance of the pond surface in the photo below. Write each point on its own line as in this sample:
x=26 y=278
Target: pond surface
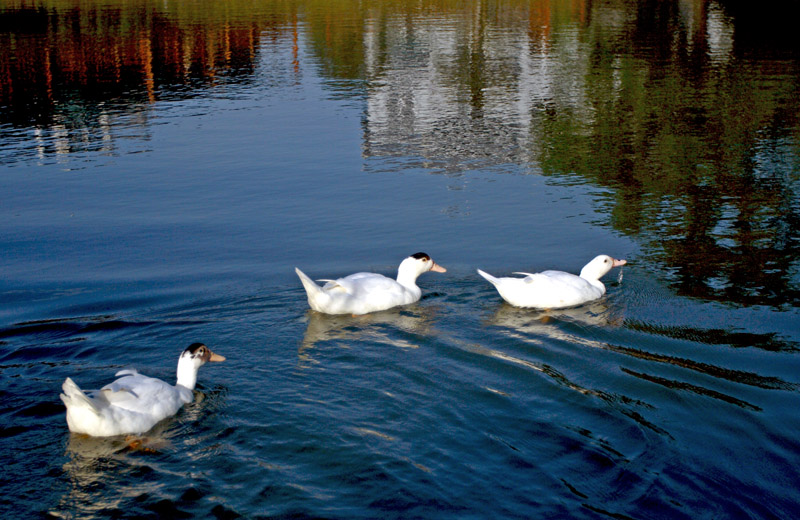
x=165 y=165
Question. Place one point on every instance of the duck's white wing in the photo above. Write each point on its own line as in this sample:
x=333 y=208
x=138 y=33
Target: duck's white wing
x=348 y=284
x=332 y=285
x=549 y=279
x=558 y=284
x=561 y=279
x=360 y=284
x=121 y=389
x=138 y=393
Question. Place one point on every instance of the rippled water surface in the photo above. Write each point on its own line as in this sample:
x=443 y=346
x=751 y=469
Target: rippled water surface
x=164 y=166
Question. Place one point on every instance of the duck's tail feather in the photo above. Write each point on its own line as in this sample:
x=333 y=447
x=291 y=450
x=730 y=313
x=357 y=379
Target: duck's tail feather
x=74 y=396
x=312 y=289
x=489 y=278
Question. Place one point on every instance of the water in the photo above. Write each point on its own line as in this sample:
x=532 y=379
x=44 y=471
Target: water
x=166 y=165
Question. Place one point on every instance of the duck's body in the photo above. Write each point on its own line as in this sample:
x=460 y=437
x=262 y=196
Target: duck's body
x=361 y=293
x=555 y=289
x=134 y=403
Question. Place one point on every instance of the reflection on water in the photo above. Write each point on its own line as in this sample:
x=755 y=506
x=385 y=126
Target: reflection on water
x=573 y=327
x=84 y=78
x=533 y=322
x=697 y=143
x=106 y=475
x=95 y=468
x=396 y=328
x=680 y=119
x=659 y=102
x=546 y=332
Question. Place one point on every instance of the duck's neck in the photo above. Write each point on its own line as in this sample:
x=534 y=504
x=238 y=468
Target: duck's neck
x=590 y=275
x=599 y=285
x=187 y=374
x=408 y=279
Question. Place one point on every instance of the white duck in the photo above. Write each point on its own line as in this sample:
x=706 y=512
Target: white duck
x=555 y=289
x=134 y=403
x=362 y=293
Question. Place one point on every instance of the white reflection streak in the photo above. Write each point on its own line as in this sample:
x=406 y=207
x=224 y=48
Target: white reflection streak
x=686 y=12
x=528 y=87
x=535 y=88
x=719 y=31
x=105 y=124
x=344 y=329
x=371 y=29
x=410 y=100
x=529 y=326
x=431 y=94
x=41 y=147
x=61 y=139
x=505 y=357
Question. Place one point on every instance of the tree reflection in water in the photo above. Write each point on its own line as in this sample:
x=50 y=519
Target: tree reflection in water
x=676 y=109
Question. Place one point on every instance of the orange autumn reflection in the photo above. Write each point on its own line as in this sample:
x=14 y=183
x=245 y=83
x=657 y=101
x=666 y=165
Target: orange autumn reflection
x=99 y=52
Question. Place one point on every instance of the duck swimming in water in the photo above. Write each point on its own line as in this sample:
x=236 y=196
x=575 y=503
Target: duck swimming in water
x=362 y=293
x=555 y=289
x=134 y=403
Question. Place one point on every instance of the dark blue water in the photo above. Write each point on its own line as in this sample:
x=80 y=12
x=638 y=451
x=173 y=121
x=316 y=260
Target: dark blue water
x=165 y=196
